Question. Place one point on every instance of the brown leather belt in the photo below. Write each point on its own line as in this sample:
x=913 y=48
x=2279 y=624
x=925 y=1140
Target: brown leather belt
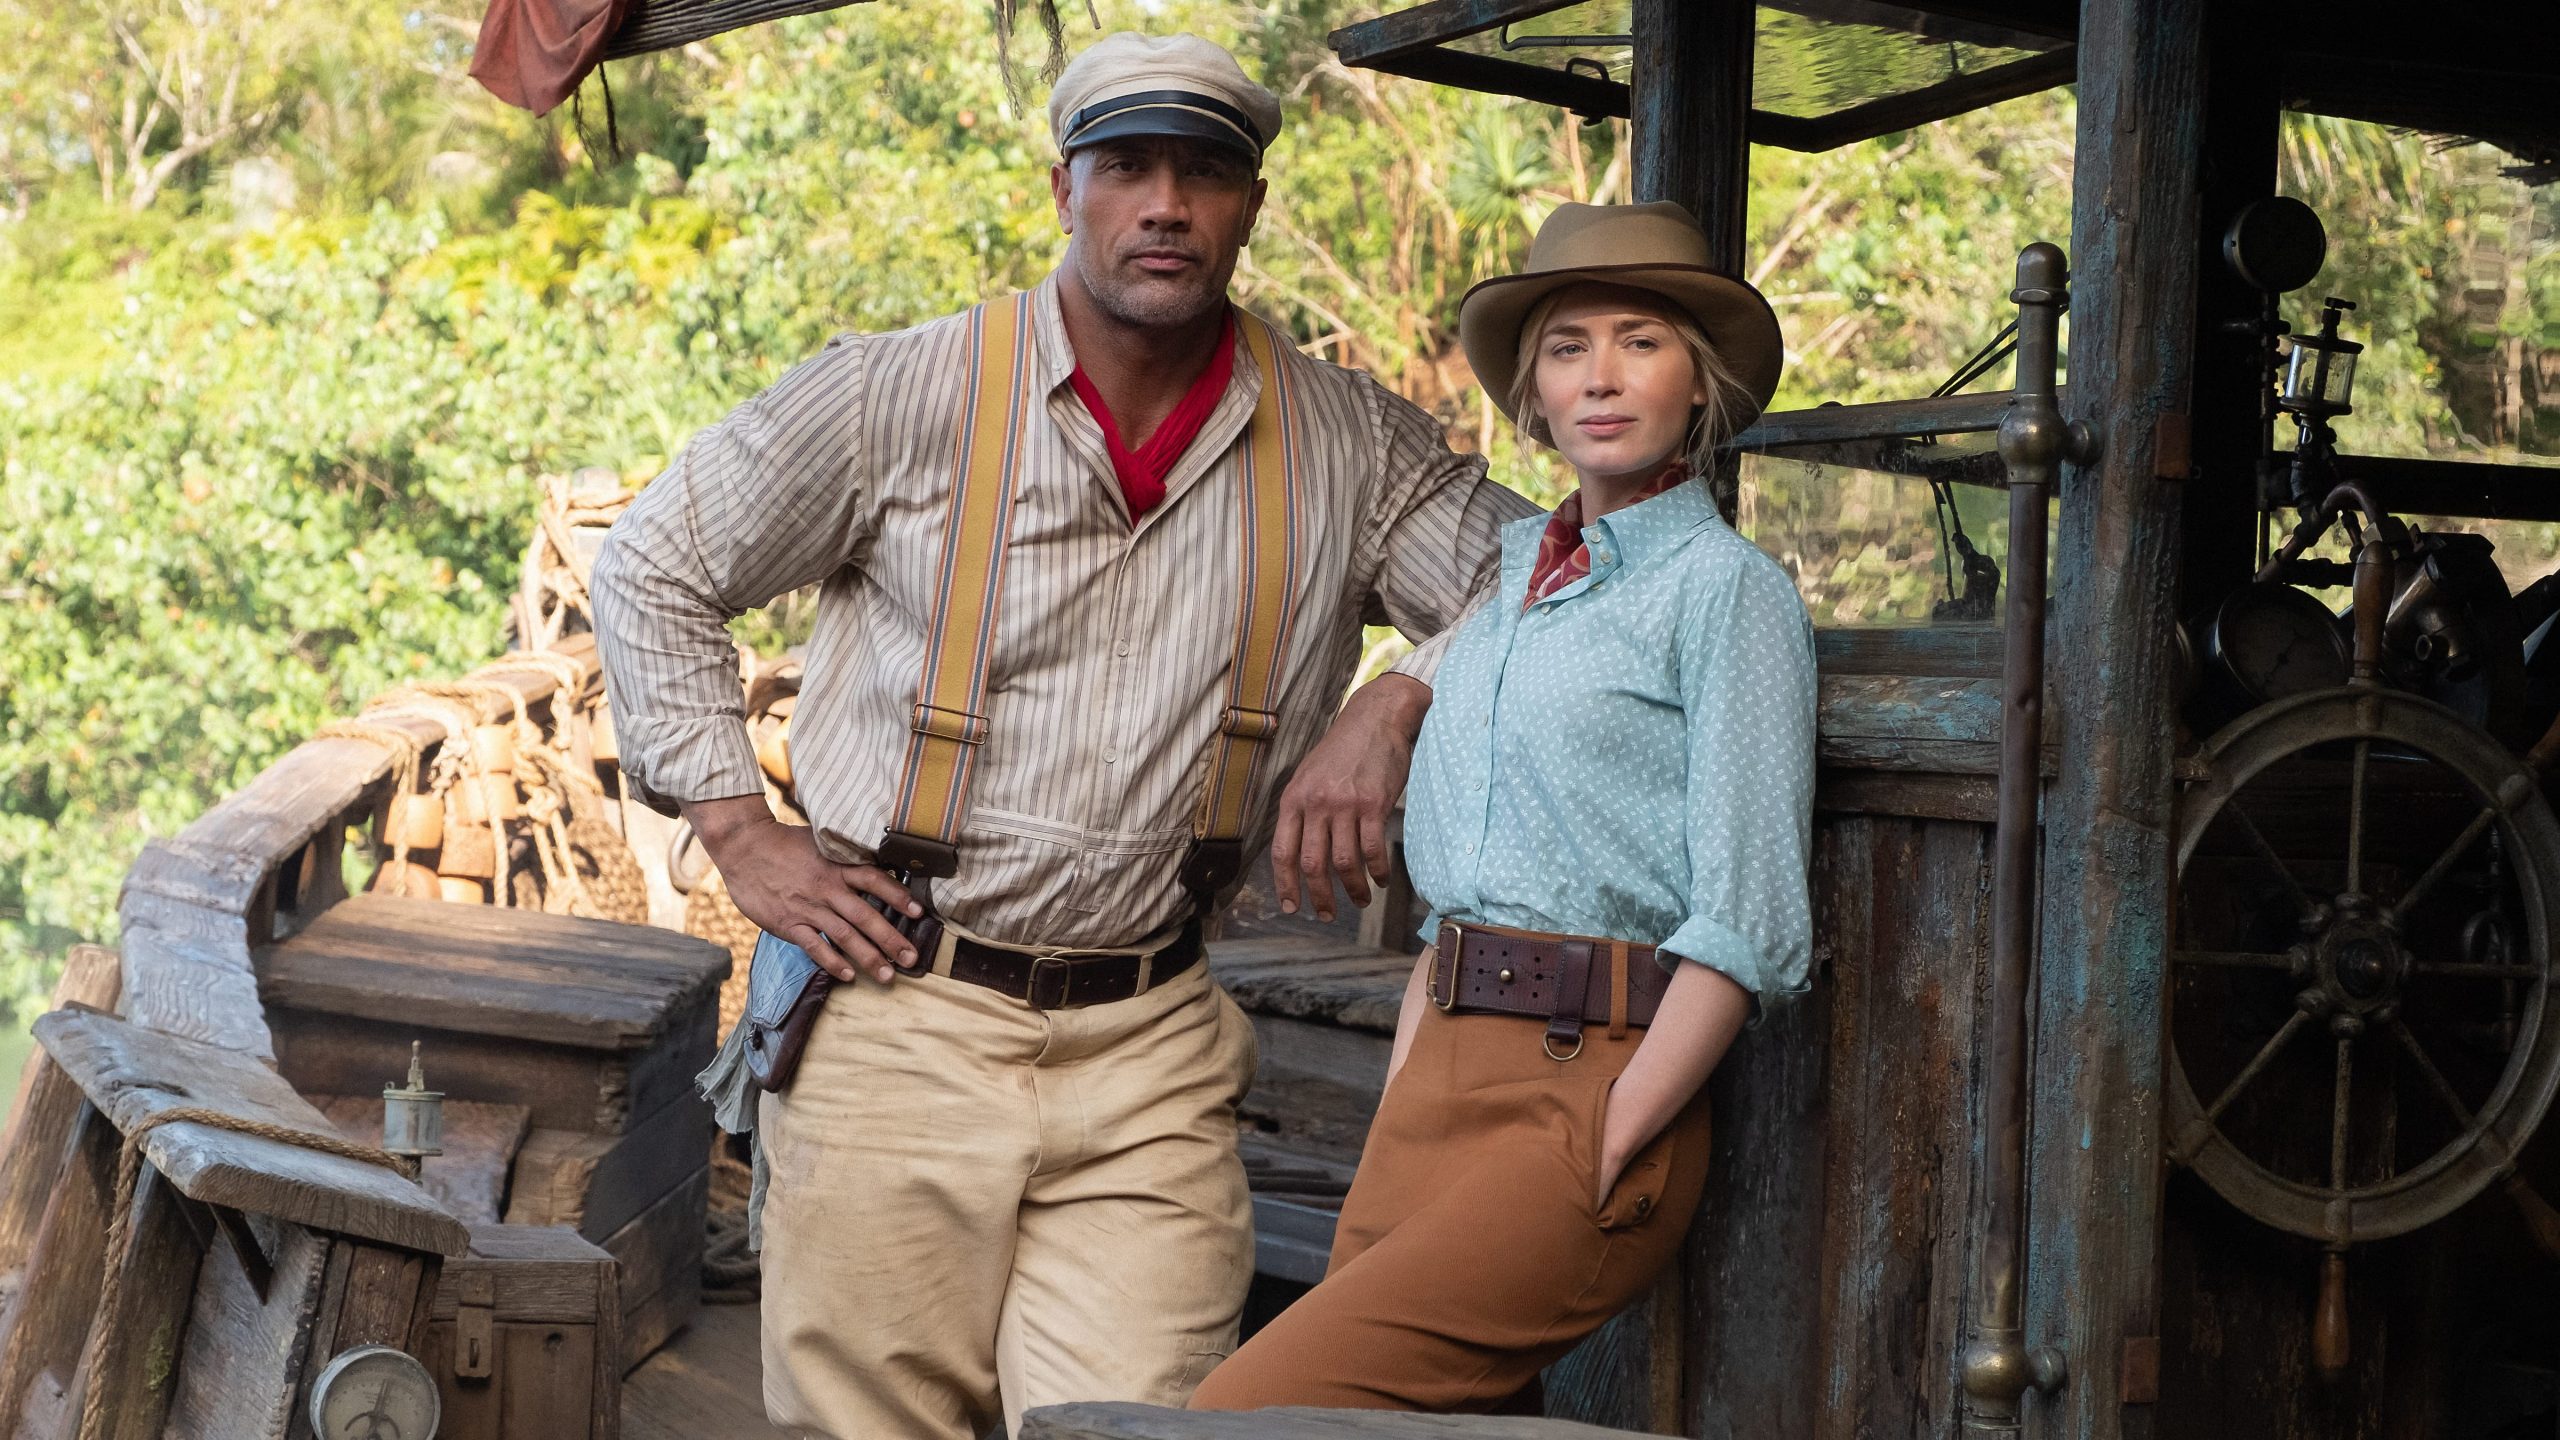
x=1067 y=982
x=1567 y=980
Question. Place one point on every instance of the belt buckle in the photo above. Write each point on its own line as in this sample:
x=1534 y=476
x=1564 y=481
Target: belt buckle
x=1047 y=965
x=1456 y=940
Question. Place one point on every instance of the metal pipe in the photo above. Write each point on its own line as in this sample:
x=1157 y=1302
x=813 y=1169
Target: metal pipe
x=2034 y=439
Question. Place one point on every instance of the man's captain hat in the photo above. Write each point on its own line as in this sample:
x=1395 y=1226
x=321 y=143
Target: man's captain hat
x=1131 y=84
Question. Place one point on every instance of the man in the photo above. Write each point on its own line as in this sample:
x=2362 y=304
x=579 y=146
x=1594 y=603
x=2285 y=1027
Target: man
x=1011 y=1174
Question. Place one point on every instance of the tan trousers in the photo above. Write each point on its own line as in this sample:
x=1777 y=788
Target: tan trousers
x=1470 y=1255
x=975 y=1205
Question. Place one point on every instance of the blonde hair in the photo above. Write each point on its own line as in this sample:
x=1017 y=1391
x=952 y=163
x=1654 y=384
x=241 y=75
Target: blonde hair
x=1709 y=424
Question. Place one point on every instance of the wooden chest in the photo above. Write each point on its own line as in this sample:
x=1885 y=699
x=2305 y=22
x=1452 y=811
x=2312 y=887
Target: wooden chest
x=595 y=1028
x=525 y=1338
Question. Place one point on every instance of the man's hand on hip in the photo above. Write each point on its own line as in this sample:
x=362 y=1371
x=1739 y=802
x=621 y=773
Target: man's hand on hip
x=1333 y=816
x=778 y=879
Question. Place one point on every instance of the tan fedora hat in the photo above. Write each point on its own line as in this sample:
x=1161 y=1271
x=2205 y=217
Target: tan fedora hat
x=1656 y=247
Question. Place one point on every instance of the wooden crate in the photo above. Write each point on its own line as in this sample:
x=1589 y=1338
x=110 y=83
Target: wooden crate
x=525 y=1338
x=595 y=1028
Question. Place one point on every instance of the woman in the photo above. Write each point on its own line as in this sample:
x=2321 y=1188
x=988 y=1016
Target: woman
x=1609 y=815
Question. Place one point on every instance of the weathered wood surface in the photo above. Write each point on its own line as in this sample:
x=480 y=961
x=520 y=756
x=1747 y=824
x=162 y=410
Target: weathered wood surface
x=52 y=1322
x=595 y=1184
x=195 y=902
x=1286 y=975
x=369 y=1295
x=2094 y=1135
x=475 y=969
x=1967 y=651
x=1973 y=798
x=158 y=1289
x=554 y=1311
x=132 y=1074
x=709 y=1382
x=660 y=1253
x=481 y=1142
x=1690 y=91
x=1147 y=1422
x=565 y=1088
x=239 y=1372
x=41 y=1118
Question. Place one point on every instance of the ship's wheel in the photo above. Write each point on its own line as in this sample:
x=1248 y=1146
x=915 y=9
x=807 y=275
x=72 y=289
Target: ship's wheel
x=2364 y=1028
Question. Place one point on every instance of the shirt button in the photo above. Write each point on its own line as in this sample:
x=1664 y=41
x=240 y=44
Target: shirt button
x=1471 y=847
x=1123 y=647
x=1477 y=787
x=1110 y=757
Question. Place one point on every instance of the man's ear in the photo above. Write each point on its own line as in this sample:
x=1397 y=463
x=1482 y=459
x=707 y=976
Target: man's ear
x=1253 y=207
x=1062 y=189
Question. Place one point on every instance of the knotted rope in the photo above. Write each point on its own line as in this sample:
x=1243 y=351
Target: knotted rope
x=105 y=1347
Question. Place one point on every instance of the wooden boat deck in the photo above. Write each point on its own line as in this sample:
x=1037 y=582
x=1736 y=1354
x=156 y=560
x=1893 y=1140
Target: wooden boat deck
x=707 y=1381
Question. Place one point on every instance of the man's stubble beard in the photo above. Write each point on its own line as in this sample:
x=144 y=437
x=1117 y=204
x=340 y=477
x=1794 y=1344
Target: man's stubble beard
x=1152 y=305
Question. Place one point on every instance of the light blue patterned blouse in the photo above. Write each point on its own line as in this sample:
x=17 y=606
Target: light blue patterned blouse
x=1633 y=756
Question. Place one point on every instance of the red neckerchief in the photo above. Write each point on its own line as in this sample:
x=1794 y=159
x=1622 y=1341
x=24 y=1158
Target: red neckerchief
x=1142 y=471
x=1563 y=556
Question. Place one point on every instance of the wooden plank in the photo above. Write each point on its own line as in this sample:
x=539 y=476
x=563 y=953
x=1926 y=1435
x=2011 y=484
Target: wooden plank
x=1754 y=1252
x=481 y=1142
x=477 y=969
x=1898 y=1167
x=369 y=1295
x=1584 y=95
x=663 y=1244
x=1907 y=707
x=595 y=1184
x=536 y=1273
x=52 y=1323
x=186 y=972
x=1911 y=109
x=1360 y=989
x=2094 y=1141
x=158 y=1289
x=238 y=1373
x=132 y=1074
x=650 y=1323
x=709 y=1382
x=1973 y=413
x=1969 y=651
x=1435 y=22
x=1146 y=1422
x=561 y=1086
x=41 y=1118
x=1692 y=123
x=1931 y=797
x=550 y=1370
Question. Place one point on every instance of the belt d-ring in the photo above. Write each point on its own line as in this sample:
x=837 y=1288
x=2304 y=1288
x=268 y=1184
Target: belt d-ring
x=1548 y=1044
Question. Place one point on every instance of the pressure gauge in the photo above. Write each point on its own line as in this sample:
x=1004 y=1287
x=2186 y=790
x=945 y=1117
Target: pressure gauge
x=374 y=1392
x=2270 y=641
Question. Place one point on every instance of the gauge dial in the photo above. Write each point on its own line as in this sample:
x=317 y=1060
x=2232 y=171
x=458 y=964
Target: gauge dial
x=374 y=1392
x=2276 y=641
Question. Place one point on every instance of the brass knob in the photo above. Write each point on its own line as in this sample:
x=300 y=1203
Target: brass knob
x=1503 y=975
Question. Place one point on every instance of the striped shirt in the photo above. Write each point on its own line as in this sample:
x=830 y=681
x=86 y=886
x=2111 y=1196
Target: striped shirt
x=1112 y=647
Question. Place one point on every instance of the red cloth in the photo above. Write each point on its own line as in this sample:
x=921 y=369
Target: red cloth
x=1142 y=471
x=533 y=53
x=1563 y=555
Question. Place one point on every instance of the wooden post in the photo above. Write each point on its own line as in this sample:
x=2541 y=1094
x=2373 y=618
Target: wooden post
x=2094 y=1158
x=1692 y=98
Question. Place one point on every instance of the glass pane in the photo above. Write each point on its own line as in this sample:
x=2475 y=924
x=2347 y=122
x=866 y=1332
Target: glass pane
x=1871 y=548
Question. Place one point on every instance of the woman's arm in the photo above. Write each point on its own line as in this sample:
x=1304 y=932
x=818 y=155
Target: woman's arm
x=1417 y=993
x=1699 y=1017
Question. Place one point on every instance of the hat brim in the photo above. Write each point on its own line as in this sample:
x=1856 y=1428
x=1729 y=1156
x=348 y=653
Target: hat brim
x=1737 y=319
x=1165 y=120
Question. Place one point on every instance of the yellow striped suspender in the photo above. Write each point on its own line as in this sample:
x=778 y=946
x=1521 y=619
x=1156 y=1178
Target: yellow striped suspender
x=1267 y=575
x=949 y=720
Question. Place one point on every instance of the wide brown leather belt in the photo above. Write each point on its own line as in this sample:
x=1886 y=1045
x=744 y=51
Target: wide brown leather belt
x=1067 y=982
x=1566 y=980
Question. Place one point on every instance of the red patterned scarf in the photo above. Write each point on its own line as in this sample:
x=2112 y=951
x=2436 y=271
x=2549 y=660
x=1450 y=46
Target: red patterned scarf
x=1563 y=557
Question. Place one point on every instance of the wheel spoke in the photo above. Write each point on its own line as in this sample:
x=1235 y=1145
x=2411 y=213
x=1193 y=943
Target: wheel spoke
x=2468 y=970
x=2267 y=852
x=2341 y=1097
x=2444 y=862
x=2231 y=959
x=2427 y=1070
x=2258 y=1062
x=2355 y=820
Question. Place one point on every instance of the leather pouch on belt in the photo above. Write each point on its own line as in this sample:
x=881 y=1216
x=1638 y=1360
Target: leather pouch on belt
x=785 y=992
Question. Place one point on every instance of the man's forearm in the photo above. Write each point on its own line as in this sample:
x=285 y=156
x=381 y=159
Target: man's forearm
x=716 y=822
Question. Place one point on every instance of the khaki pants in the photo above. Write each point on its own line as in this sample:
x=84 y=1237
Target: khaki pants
x=975 y=1205
x=1470 y=1255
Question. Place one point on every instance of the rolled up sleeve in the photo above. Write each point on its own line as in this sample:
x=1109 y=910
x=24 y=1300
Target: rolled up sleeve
x=1748 y=686
x=1440 y=522
x=770 y=499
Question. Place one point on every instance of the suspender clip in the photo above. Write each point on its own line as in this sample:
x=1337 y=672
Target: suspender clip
x=1211 y=867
